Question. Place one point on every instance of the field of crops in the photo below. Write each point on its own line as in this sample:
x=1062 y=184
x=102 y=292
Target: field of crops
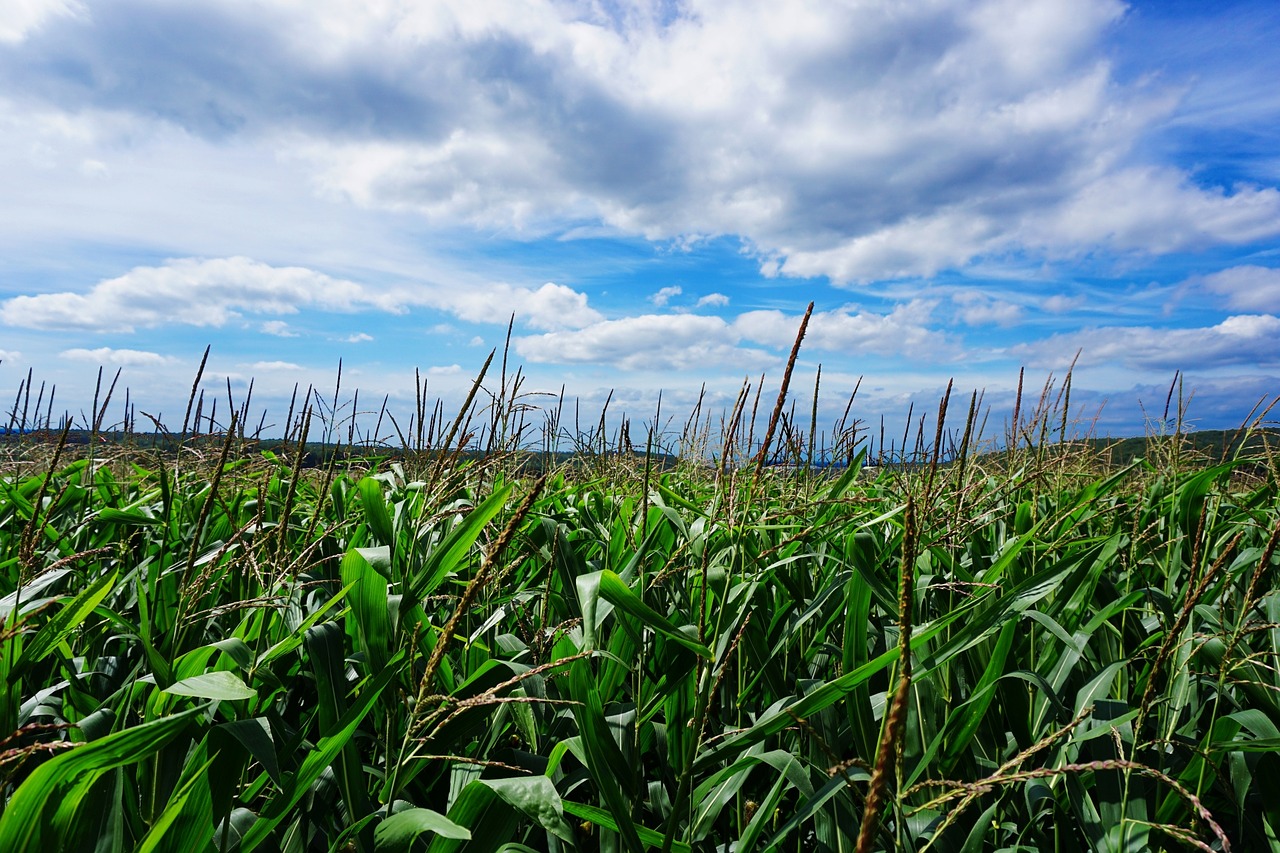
x=1019 y=650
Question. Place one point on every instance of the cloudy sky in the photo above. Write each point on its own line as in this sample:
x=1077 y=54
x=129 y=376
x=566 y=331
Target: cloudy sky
x=654 y=189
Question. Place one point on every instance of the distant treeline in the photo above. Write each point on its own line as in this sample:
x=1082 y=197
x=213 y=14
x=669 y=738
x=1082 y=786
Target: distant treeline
x=1208 y=446
x=314 y=454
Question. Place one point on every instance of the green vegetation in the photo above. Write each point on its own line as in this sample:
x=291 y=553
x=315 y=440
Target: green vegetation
x=1017 y=650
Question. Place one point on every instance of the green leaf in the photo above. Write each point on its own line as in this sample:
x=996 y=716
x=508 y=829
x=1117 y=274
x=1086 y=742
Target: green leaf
x=68 y=619
x=324 y=648
x=187 y=819
x=44 y=812
x=609 y=586
x=608 y=769
x=281 y=806
x=535 y=797
x=368 y=598
x=448 y=556
x=226 y=686
x=600 y=817
x=398 y=832
x=375 y=510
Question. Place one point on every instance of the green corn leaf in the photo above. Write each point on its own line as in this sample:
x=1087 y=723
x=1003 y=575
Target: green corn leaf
x=397 y=833
x=281 y=806
x=600 y=817
x=486 y=808
x=375 y=510
x=187 y=820
x=226 y=686
x=324 y=649
x=449 y=556
x=68 y=619
x=604 y=760
x=609 y=586
x=369 y=606
x=43 y=814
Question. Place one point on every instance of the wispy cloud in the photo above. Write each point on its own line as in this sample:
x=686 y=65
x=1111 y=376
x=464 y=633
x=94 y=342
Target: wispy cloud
x=272 y=366
x=21 y=17
x=1246 y=339
x=1247 y=288
x=976 y=308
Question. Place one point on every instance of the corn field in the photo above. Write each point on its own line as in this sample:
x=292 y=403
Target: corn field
x=224 y=649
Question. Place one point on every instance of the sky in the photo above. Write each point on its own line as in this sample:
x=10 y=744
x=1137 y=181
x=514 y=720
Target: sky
x=651 y=193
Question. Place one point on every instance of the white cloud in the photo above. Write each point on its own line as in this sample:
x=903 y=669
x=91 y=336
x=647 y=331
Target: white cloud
x=10 y=355
x=691 y=341
x=904 y=331
x=663 y=296
x=715 y=300
x=647 y=342
x=860 y=141
x=191 y=292
x=915 y=246
x=552 y=306
x=122 y=357
x=211 y=293
x=358 y=338
x=1247 y=288
x=975 y=308
x=1060 y=303
x=91 y=168
x=20 y=17
x=446 y=370
x=1156 y=211
x=279 y=328
x=274 y=365
x=1246 y=339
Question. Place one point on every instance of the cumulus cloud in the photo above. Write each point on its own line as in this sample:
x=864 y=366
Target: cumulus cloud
x=691 y=341
x=274 y=365
x=857 y=141
x=9 y=355
x=646 y=342
x=191 y=292
x=122 y=357
x=1247 y=288
x=714 y=300
x=211 y=293
x=663 y=296
x=1245 y=339
x=358 y=338
x=904 y=331
x=551 y=306
x=279 y=328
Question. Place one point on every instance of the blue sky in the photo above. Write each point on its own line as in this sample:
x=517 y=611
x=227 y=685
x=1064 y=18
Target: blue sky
x=654 y=190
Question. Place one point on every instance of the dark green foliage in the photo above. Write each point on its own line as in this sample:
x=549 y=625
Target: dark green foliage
x=667 y=661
